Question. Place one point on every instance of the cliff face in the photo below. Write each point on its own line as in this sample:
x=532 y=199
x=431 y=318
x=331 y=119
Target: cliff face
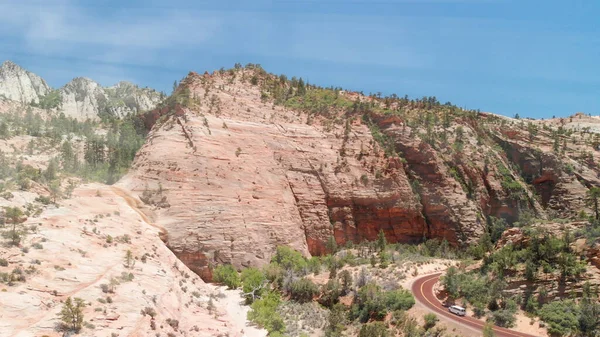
x=20 y=85
x=232 y=175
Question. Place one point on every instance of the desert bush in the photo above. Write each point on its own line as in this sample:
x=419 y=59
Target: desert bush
x=335 y=321
x=561 y=317
x=503 y=317
x=373 y=303
x=227 y=275
x=303 y=290
x=290 y=259
x=264 y=313
x=253 y=282
x=346 y=281
x=375 y=329
x=369 y=303
x=173 y=323
x=399 y=300
x=330 y=293
x=149 y=311
x=430 y=320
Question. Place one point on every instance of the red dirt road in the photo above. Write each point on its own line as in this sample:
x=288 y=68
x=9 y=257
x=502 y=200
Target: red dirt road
x=422 y=289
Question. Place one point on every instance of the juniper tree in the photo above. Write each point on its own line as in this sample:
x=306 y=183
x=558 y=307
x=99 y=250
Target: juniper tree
x=72 y=314
x=592 y=196
x=14 y=214
x=129 y=260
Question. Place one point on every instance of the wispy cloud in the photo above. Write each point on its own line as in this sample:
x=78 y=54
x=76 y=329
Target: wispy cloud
x=65 y=28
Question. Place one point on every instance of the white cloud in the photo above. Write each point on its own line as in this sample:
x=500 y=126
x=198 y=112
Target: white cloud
x=65 y=28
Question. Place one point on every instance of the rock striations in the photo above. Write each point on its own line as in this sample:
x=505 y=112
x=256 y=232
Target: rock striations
x=232 y=175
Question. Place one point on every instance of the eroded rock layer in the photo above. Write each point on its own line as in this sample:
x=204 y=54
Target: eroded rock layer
x=232 y=175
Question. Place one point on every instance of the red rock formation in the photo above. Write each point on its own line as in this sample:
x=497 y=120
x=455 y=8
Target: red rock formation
x=242 y=175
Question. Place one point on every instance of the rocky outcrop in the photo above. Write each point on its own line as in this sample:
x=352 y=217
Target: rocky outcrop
x=561 y=183
x=593 y=253
x=20 y=85
x=82 y=98
x=242 y=176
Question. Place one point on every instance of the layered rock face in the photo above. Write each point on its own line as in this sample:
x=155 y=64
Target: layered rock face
x=233 y=175
x=242 y=176
x=20 y=85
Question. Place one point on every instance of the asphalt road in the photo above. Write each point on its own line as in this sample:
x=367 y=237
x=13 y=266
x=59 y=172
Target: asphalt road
x=422 y=289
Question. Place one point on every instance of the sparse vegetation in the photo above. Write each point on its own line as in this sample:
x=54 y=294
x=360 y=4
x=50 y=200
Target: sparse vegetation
x=71 y=314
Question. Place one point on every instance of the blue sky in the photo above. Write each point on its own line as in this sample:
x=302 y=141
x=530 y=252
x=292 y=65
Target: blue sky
x=535 y=58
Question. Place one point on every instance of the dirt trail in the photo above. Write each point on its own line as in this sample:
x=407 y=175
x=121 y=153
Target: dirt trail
x=136 y=206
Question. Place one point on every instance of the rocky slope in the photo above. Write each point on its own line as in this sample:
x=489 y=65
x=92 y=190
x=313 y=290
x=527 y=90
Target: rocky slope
x=82 y=98
x=233 y=175
x=20 y=85
x=78 y=250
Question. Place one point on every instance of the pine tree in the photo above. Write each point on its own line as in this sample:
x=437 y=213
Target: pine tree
x=331 y=245
x=589 y=319
x=129 y=260
x=68 y=157
x=14 y=214
x=51 y=170
x=381 y=241
x=72 y=314
x=593 y=194
x=55 y=191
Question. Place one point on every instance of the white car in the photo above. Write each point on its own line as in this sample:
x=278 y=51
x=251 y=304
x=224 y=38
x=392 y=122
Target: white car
x=457 y=310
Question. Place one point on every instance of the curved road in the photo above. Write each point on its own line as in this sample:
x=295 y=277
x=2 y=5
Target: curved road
x=422 y=289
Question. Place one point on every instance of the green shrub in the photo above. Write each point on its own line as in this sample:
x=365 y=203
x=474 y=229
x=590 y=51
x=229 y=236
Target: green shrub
x=488 y=330
x=253 y=281
x=290 y=259
x=370 y=303
x=227 y=275
x=430 y=320
x=264 y=313
x=274 y=273
x=399 y=300
x=330 y=293
x=503 y=317
x=375 y=329
x=562 y=317
x=336 y=321
x=303 y=290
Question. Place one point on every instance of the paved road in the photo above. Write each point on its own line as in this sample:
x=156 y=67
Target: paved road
x=423 y=290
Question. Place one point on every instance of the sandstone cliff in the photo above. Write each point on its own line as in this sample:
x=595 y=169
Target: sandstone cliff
x=234 y=170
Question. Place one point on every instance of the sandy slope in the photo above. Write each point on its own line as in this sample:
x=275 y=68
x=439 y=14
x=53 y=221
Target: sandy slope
x=76 y=259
